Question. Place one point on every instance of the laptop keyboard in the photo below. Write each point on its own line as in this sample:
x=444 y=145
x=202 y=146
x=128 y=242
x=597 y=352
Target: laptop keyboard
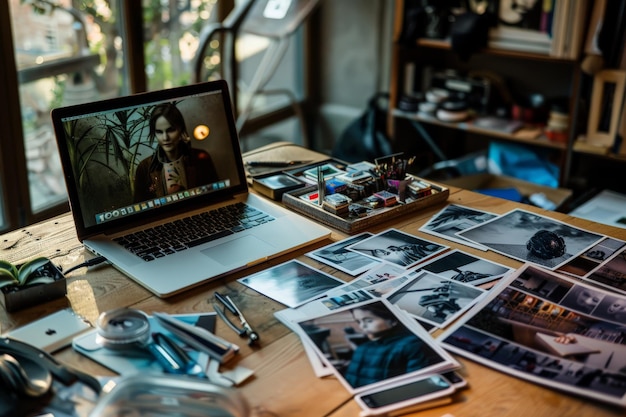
x=191 y=231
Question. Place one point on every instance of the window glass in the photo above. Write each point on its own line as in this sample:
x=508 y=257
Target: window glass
x=64 y=56
x=171 y=31
x=73 y=51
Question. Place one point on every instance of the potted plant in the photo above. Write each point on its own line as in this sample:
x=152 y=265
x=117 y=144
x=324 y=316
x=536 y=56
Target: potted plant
x=33 y=282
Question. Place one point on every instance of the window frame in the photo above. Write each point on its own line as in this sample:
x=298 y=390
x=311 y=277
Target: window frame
x=15 y=207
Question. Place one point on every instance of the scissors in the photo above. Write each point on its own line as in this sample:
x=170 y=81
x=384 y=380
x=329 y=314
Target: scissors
x=245 y=329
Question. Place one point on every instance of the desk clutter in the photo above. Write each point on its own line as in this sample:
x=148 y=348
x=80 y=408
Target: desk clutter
x=412 y=302
x=552 y=321
x=387 y=331
x=352 y=197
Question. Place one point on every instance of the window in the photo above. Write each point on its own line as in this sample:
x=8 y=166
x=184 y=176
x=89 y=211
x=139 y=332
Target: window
x=74 y=51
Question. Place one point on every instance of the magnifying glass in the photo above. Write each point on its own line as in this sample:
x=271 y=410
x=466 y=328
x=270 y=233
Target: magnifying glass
x=127 y=329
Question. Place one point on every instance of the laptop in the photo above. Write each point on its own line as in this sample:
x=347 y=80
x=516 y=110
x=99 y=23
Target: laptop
x=124 y=191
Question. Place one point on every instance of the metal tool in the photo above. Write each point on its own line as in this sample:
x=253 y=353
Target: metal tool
x=245 y=329
x=198 y=338
x=126 y=328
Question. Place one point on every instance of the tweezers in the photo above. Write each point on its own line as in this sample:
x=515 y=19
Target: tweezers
x=246 y=329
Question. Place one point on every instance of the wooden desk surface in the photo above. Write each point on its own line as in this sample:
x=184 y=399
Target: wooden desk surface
x=284 y=383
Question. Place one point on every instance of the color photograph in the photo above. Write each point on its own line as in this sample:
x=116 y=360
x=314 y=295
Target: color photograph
x=372 y=343
x=548 y=329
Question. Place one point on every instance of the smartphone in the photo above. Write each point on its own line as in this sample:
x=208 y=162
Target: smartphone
x=425 y=392
x=52 y=332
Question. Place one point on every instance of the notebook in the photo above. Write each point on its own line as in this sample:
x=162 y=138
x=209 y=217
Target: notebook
x=120 y=181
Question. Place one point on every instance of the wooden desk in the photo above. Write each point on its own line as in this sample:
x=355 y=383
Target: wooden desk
x=284 y=383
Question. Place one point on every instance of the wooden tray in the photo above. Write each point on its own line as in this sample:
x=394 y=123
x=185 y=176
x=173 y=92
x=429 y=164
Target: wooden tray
x=352 y=225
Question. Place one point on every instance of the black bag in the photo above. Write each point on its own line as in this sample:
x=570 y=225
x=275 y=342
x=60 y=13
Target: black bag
x=366 y=138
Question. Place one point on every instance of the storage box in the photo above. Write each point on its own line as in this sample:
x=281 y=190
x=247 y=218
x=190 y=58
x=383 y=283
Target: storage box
x=354 y=224
x=484 y=181
x=14 y=298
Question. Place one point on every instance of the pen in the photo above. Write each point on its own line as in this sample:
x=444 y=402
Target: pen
x=275 y=164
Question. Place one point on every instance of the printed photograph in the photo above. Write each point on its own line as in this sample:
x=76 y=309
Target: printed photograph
x=455 y=218
x=383 y=272
x=372 y=343
x=586 y=262
x=612 y=308
x=382 y=288
x=343 y=300
x=530 y=237
x=463 y=267
x=337 y=256
x=398 y=247
x=434 y=299
x=543 y=338
x=582 y=299
x=612 y=273
x=292 y=283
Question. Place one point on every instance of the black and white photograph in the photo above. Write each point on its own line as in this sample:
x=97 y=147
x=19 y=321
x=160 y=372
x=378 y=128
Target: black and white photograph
x=434 y=299
x=530 y=237
x=455 y=218
x=398 y=247
x=337 y=256
x=544 y=340
x=382 y=288
x=292 y=283
x=463 y=267
x=383 y=272
x=372 y=343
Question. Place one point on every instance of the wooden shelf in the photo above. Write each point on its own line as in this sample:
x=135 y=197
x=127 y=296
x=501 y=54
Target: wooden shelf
x=471 y=128
x=445 y=44
x=528 y=68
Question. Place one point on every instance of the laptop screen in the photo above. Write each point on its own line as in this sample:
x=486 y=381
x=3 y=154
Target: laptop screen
x=134 y=158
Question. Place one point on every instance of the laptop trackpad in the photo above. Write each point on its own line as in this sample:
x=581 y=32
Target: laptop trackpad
x=231 y=252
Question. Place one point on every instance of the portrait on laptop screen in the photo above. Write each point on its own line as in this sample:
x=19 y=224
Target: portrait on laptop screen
x=136 y=159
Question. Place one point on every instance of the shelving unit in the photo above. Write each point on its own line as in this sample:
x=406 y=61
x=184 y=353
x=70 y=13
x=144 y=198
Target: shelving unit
x=519 y=73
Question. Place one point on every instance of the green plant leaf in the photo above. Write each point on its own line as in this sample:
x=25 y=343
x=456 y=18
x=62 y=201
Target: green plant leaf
x=29 y=268
x=8 y=266
x=7 y=278
x=39 y=280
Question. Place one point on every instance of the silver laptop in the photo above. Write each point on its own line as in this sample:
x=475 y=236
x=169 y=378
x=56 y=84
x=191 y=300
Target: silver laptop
x=150 y=179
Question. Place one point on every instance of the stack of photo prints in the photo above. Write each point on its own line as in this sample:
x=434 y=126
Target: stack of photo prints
x=559 y=320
